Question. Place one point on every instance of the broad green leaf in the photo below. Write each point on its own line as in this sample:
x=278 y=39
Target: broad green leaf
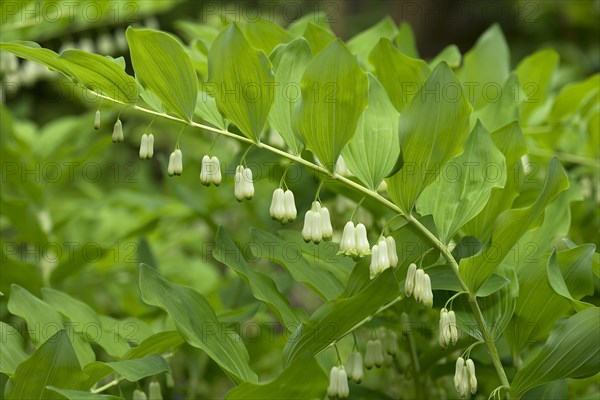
x=163 y=67
x=336 y=318
x=434 y=128
x=584 y=273
x=156 y=344
x=400 y=75
x=81 y=395
x=197 y=323
x=571 y=97
x=511 y=143
x=450 y=55
x=133 y=369
x=550 y=391
x=265 y=35
x=318 y=37
x=535 y=73
x=571 y=351
x=263 y=288
x=53 y=364
x=506 y=105
x=334 y=95
x=242 y=89
x=443 y=278
x=486 y=64
x=11 y=351
x=465 y=184
x=405 y=40
x=323 y=282
x=34 y=52
x=289 y=62
x=206 y=108
x=373 y=151
x=303 y=380
x=363 y=42
x=76 y=311
x=508 y=229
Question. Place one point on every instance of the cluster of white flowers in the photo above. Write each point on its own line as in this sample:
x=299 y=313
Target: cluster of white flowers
x=175 y=163
x=354 y=240
x=147 y=146
x=338 y=383
x=447 y=328
x=117 y=135
x=243 y=185
x=283 y=206
x=464 y=377
x=354 y=366
x=374 y=354
x=418 y=283
x=317 y=224
x=210 y=171
x=383 y=256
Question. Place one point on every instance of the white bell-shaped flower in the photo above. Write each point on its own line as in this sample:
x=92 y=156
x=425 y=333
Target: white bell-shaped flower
x=215 y=171
x=154 y=391
x=248 y=184
x=97 y=120
x=458 y=373
x=354 y=367
x=332 y=390
x=409 y=283
x=147 y=146
x=392 y=254
x=316 y=226
x=348 y=242
x=343 y=389
x=277 y=209
x=326 y=228
x=382 y=256
x=175 y=163
x=464 y=382
x=374 y=266
x=204 y=179
x=373 y=354
x=444 y=329
x=472 y=378
x=453 y=328
x=361 y=241
x=419 y=285
x=391 y=343
x=139 y=395
x=117 y=135
x=427 y=294
x=289 y=206
x=238 y=184
x=307 y=228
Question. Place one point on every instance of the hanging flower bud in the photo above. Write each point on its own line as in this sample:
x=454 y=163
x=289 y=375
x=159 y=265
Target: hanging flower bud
x=391 y=343
x=326 y=228
x=248 y=184
x=316 y=225
x=203 y=171
x=139 y=395
x=277 y=209
x=154 y=392
x=175 y=163
x=97 y=120
x=147 y=146
x=289 y=206
x=354 y=367
x=348 y=242
x=427 y=294
x=382 y=256
x=215 y=171
x=117 y=135
x=419 y=285
x=392 y=254
x=409 y=283
x=343 y=389
x=332 y=390
x=361 y=241
x=472 y=378
x=464 y=382
x=458 y=377
x=453 y=328
x=374 y=354
x=444 y=329
x=307 y=228
x=238 y=182
x=374 y=267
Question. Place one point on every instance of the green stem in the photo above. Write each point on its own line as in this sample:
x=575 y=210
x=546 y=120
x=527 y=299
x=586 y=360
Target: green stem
x=414 y=357
x=374 y=195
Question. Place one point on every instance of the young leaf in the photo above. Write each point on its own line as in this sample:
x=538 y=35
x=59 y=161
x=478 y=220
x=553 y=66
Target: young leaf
x=133 y=370
x=435 y=125
x=372 y=152
x=559 y=285
x=400 y=74
x=206 y=108
x=289 y=62
x=263 y=288
x=11 y=351
x=509 y=227
x=334 y=95
x=405 y=40
x=318 y=37
x=363 y=42
x=163 y=67
x=265 y=35
x=241 y=81
x=505 y=108
x=571 y=351
x=465 y=184
x=197 y=323
x=450 y=55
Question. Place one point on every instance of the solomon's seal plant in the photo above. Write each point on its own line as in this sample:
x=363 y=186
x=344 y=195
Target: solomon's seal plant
x=467 y=208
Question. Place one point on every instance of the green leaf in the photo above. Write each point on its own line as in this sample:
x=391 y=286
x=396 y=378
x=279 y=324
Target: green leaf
x=506 y=105
x=405 y=40
x=334 y=95
x=263 y=288
x=163 y=67
x=450 y=55
x=443 y=278
x=571 y=351
x=326 y=284
x=318 y=37
x=53 y=364
x=11 y=351
x=486 y=64
x=158 y=343
x=133 y=370
x=76 y=311
x=34 y=52
x=572 y=96
x=465 y=185
x=400 y=75
x=289 y=63
x=206 y=108
x=509 y=227
x=197 y=323
x=372 y=152
x=81 y=395
x=363 y=42
x=303 y=380
x=336 y=318
x=558 y=284
x=265 y=35
x=242 y=89
x=535 y=74
x=435 y=125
